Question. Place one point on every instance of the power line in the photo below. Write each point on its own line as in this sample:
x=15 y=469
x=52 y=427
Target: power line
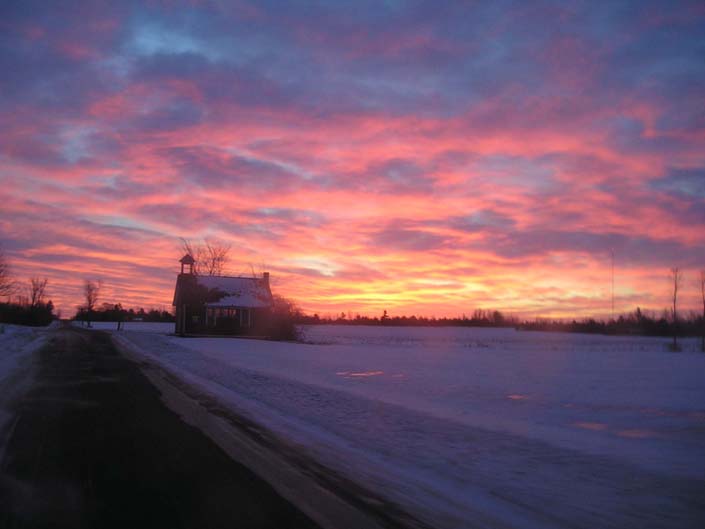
x=612 y=256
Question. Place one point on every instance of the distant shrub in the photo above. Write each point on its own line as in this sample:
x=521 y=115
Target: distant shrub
x=281 y=323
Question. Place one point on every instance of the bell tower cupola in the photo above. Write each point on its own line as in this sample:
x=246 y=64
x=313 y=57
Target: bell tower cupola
x=189 y=261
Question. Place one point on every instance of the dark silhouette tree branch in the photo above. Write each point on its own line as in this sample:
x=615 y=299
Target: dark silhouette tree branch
x=37 y=290
x=211 y=256
x=91 y=292
x=7 y=285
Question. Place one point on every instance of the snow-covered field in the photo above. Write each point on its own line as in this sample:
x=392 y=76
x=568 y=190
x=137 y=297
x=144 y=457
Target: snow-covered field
x=470 y=427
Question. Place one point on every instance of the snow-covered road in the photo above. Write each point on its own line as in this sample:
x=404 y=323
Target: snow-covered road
x=477 y=427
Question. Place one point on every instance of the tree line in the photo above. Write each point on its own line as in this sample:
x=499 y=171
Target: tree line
x=26 y=304
x=479 y=318
x=116 y=312
x=648 y=323
x=639 y=322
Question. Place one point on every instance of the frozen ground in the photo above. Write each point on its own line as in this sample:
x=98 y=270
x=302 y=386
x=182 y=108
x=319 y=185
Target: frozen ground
x=16 y=346
x=477 y=427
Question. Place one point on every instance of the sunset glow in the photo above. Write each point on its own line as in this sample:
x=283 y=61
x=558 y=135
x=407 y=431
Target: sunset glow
x=419 y=158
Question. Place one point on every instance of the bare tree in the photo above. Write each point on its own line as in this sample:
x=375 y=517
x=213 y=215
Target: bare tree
x=702 y=294
x=211 y=256
x=37 y=290
x=7 y=286
x=217 y=256
x=91 y=291
x=677 y=279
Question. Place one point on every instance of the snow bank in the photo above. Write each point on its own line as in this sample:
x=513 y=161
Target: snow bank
x=136 y=326
x=483 y=425
x=17 y=343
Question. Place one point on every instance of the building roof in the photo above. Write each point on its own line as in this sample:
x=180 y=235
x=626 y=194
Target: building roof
x=187 y=259
x=246 y=292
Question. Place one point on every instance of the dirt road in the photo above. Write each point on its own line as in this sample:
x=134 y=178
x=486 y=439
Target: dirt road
x=92 y=445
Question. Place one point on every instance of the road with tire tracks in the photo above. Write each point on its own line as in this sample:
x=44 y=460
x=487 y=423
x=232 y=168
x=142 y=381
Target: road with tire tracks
x=91 y=444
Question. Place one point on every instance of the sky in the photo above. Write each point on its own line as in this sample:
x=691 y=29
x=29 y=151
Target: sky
x=422 y=158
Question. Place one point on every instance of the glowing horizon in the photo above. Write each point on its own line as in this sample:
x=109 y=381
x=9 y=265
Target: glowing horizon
x=419 y=158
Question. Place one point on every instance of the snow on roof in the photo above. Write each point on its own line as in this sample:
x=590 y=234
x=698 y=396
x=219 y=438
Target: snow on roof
x=250 y=292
